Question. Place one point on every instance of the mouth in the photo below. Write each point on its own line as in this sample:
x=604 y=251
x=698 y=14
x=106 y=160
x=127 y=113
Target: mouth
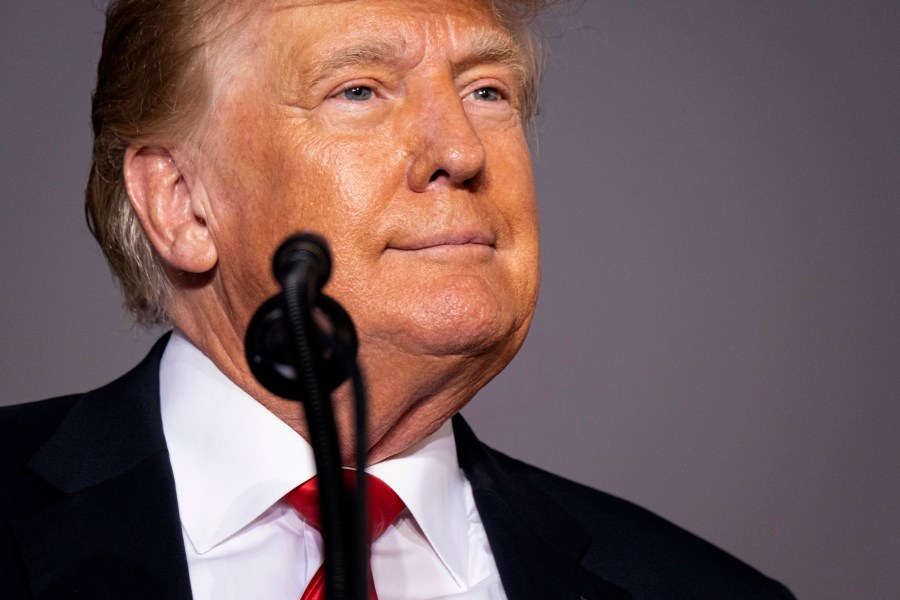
x=443 y=239
x=445 y=244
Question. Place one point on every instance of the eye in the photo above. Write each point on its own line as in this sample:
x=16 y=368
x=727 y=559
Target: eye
x=487 y=94
x=359 y=93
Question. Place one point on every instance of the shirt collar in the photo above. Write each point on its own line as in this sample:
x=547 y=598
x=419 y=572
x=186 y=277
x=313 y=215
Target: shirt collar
x=428 y=479
x=233 y=459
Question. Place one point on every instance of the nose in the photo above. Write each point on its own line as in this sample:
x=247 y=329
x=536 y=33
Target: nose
x=448 y=152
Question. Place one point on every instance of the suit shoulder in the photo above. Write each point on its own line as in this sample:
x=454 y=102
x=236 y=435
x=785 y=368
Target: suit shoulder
x=23 y=427
x=645 y=553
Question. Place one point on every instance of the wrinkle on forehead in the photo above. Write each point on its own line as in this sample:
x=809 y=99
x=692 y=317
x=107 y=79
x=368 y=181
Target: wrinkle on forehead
x=287 y=4
x=361 y=38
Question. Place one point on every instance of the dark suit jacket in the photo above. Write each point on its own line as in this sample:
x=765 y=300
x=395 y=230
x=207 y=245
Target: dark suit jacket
x=88 y=510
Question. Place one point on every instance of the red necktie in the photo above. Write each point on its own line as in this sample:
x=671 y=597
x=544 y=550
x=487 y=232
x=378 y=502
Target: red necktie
x=384 y=507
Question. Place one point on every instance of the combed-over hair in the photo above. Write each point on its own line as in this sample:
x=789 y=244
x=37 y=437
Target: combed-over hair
x=153 y=86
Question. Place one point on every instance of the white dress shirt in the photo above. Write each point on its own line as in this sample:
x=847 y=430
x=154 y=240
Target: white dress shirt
x=234 y=461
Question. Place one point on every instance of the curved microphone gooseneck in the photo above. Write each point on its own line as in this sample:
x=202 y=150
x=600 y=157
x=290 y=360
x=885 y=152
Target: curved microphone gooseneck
x=295 y=358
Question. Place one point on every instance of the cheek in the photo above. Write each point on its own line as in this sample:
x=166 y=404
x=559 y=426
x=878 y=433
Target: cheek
x=277 y=181
x=352 y=185
x=360 y=171
x=258 y=195
x=517 y=201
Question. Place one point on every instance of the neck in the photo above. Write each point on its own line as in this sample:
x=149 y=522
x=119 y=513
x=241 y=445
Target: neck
x=410 y=394
x=409 y=397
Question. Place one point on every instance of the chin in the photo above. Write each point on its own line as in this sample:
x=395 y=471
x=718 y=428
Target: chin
x=462 y=319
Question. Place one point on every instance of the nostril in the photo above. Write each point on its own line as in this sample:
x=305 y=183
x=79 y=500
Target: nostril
x=438 y=174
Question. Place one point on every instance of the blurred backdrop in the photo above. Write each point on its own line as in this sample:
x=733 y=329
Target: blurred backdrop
x=718 y=335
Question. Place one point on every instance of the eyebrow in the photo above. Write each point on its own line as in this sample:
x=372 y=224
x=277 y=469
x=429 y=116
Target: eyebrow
x=380 y=50
x=483 y=45
x=491 y=46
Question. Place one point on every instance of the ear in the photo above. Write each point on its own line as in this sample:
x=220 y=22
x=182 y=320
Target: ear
x=171 y=217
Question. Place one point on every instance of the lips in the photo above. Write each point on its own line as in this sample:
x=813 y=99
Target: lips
x=442 y=240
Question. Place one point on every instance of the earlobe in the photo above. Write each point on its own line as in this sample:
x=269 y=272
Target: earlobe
x=167 y=210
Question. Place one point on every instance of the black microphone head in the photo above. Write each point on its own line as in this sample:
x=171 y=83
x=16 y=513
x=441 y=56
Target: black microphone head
x=272 y=355
x=308 y=248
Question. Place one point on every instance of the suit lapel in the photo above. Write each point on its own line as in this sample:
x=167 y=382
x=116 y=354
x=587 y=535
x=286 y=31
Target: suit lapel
x=537 y=545
x=113 y=530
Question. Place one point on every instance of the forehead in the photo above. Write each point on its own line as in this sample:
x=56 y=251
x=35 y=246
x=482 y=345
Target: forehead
x=381 y=6
x=289 y=27
x=287 y=46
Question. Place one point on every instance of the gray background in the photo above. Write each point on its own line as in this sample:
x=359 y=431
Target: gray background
x=717 y=336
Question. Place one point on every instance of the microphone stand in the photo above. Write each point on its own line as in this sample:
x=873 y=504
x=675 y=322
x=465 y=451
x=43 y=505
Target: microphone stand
x=307 y=366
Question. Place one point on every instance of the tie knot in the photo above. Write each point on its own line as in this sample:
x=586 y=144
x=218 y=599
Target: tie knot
x=384 y=505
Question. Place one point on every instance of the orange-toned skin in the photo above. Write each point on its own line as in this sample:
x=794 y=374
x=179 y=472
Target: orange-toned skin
x=380 y=125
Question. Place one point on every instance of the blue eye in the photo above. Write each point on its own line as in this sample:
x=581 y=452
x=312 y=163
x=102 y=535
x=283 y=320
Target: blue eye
x=358 y=94
x=487 y=94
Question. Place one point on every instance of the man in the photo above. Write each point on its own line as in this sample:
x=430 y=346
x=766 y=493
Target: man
x=396 y=129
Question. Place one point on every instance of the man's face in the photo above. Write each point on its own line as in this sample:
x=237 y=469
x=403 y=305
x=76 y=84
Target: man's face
x=391 y=128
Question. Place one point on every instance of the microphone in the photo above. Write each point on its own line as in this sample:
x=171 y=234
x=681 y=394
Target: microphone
x=307 y=253
x=301 y=345
x=303 y=264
